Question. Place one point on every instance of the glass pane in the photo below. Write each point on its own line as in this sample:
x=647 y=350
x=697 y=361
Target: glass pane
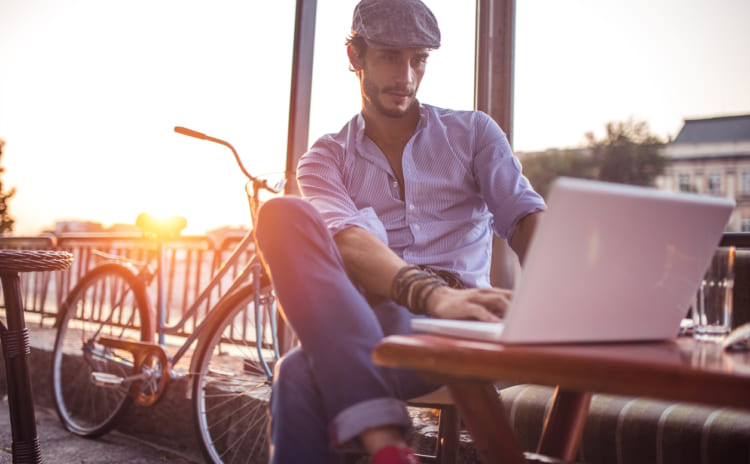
x=581 y=64
x=93 y=89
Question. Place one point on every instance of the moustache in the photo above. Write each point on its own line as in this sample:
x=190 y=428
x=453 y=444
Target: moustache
x=399 y=90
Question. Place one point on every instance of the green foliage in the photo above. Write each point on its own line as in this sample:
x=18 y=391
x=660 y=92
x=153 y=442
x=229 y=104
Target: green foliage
x=543 y=168
x=628 y=154
x=6 y=221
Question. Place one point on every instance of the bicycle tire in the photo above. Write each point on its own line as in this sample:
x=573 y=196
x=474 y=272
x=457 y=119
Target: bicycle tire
x=108 y=300
x=230 y=388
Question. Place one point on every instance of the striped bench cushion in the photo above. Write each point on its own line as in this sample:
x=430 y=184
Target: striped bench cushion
x=638 y=430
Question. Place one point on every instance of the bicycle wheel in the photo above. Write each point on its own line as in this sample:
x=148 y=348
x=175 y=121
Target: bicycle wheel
x=108 y=301
x=231 y=386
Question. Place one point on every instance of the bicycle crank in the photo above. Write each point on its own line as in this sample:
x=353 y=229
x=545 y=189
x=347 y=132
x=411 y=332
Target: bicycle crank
x=107 y=380
x=151 y=370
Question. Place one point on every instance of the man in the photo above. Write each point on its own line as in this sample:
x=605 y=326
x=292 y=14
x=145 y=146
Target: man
x=402 y=187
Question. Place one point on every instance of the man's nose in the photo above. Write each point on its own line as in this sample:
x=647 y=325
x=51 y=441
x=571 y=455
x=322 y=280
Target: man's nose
x=405 y=72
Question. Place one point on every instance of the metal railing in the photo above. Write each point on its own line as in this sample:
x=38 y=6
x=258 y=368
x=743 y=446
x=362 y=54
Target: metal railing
x=190 y=263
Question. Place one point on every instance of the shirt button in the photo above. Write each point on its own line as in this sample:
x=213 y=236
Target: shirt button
x=411 y=206
x=395 y=184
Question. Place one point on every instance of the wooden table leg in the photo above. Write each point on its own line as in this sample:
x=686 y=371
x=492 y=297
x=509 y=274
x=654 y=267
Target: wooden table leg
x=482 y=412
x=563 y=427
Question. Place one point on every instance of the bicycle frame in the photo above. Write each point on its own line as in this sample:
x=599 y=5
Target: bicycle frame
x=110 y=317
x=251 y=272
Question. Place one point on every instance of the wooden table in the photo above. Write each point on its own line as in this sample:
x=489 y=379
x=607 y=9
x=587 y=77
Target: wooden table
x=676 y=370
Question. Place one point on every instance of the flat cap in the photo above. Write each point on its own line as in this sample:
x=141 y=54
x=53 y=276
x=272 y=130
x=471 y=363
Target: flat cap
x=396 y=24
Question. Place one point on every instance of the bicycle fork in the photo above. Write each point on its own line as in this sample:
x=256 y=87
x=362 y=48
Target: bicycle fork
x=161 y=313
x=259 y=304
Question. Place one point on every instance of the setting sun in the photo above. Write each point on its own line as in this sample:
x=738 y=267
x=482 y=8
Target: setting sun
x=91 y=91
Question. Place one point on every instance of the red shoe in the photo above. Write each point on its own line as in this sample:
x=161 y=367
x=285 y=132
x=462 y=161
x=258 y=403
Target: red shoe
x=395 y=455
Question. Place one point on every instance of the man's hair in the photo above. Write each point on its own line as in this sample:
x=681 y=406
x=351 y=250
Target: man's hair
x=358 y=43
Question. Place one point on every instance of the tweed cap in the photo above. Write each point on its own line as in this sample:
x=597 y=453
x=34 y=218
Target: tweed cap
x=396 y=24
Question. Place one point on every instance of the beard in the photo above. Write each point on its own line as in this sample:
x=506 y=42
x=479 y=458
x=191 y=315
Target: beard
x=373 y=94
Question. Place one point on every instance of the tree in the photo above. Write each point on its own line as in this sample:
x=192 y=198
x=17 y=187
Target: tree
x=628 y=153
x=541 y=169
x=6 y=221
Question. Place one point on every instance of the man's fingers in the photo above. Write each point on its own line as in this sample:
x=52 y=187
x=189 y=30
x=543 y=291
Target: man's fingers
x=480 y=313
x=495 y=302
x=491 y=291
x=484 y=304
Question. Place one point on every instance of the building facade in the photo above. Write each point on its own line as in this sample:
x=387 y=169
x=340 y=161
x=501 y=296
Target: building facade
x=711 y=156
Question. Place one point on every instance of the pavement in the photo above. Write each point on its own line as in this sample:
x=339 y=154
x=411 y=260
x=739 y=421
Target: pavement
x=158 y=434
x=60 y=446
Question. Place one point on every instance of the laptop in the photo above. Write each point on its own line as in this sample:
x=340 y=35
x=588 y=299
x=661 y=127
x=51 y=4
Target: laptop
x=608 y=263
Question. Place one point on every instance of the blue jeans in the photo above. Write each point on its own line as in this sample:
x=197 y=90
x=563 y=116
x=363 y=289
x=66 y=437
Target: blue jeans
x=328 y=391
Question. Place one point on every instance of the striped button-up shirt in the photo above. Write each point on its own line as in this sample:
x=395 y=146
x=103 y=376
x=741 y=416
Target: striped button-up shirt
x=461 y=182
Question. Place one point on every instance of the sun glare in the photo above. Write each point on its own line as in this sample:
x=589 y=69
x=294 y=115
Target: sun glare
x=91 y=91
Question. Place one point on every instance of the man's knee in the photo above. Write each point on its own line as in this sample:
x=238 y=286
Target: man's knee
x=282 y=209
x=276 y=217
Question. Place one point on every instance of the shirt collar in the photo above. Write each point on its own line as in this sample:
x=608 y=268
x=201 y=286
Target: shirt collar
x=359 y=125
x=424 y=117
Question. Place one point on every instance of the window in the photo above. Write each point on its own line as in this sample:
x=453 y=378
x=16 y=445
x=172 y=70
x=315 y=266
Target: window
x=745 y=183
x=683 y=183
x=714 y=183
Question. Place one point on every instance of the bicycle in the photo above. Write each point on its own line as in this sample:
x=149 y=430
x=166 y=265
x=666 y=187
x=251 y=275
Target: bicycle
x=105 y=354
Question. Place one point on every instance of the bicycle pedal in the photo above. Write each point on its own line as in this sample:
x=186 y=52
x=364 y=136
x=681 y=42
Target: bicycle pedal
x=104 y=379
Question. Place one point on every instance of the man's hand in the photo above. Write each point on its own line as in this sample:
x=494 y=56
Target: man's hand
x=483 y=304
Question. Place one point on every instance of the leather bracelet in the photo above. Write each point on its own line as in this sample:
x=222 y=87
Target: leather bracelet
x=412 y=285
x=422 y=305
x=404 y=280
x=415 y=292
x=396 y=285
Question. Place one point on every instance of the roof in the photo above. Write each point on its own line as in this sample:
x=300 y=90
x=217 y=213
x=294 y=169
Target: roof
x=711 y=130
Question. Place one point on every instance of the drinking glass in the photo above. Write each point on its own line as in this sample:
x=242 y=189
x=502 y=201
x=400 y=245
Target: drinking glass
x=712 y=311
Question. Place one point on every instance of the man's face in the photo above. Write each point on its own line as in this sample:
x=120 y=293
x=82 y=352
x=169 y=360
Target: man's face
x=390 y=79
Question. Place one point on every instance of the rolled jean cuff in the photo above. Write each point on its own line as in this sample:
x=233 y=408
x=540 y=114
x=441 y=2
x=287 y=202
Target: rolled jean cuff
x=379 y=412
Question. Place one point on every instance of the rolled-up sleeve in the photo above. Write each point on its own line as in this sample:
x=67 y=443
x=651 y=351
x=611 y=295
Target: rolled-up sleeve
x=321 y=181
x=507 y=192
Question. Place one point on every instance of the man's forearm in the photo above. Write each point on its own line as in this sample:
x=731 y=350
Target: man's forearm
x=373 y=265
x=368 y=261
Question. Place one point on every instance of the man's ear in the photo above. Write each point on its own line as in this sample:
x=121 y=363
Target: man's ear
x=354 y=60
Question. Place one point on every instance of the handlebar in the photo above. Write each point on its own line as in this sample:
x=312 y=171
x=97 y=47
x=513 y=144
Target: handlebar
x=257 y=183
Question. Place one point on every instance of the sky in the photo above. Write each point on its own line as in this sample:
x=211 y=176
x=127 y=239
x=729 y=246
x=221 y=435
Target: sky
x=91 y=89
